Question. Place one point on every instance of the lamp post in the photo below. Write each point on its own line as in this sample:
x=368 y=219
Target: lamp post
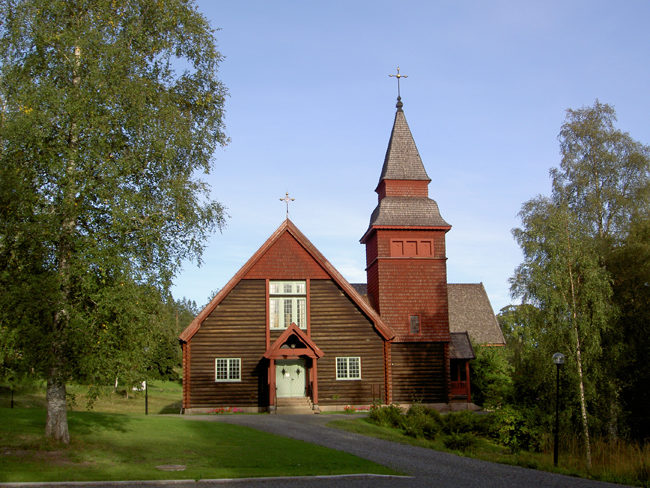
x=558 y=359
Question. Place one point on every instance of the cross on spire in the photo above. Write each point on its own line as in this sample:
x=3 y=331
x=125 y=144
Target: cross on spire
x=398 y=76
x=286 y=200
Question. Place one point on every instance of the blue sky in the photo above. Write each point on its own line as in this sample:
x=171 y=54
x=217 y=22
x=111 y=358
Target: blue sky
x=311 y=107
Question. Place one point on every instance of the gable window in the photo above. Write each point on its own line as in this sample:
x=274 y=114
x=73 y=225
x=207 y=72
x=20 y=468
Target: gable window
x=414 y=324
x=227 y=369
x=348 y=368
x=287 y=304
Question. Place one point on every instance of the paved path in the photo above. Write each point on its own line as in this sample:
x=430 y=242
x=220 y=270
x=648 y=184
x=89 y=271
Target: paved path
x=425 y=467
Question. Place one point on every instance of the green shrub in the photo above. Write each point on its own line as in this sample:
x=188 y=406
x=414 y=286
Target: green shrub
x=460 y=422
x=420 y=426
x=417 y=410
x=460 y=441
x=421 y=421
x=511 y=428
x=388 y=416
x=430 y=428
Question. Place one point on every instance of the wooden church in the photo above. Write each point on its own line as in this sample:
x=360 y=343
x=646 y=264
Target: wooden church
x=289 y=332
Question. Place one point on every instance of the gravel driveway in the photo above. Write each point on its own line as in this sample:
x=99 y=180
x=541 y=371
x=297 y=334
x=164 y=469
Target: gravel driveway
x=425 y=467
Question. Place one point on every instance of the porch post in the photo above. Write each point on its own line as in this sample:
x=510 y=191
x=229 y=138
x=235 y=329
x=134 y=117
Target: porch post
x=469 y=394
x=271 y=385
x=314 y=392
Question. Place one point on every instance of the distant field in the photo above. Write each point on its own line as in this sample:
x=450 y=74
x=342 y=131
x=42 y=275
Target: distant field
x=164 y=397
x=109 y=446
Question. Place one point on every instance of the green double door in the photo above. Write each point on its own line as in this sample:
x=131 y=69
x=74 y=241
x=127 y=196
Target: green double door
x=290 y=378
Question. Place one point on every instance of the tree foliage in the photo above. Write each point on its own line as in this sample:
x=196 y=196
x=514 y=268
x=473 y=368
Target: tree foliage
x=599 y=191
x=109 y=111
x=603 y=173
x=629 y=341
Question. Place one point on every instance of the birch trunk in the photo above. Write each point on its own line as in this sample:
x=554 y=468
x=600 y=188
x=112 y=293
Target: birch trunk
x=56 y=426
x=574 y=317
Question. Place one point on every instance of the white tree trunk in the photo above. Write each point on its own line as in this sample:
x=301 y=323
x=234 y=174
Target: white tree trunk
x=574 y=316
x=56 y=426
x=583 y=403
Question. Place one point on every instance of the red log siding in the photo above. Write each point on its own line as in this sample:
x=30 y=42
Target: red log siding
x=419 y=372
x=186 y=374
x=339 y=328
x=234 y=329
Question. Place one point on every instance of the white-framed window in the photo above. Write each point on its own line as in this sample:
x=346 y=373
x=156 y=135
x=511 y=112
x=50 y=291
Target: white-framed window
x=348 y=368
x=227 y=369
x=288 y=304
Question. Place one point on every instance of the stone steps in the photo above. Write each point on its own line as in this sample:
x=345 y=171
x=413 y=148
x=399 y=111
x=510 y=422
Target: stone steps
x=294 y=406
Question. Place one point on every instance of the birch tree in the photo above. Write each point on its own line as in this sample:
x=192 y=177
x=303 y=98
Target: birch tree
x=561 y=276
x=599 y=189
x=109 y=111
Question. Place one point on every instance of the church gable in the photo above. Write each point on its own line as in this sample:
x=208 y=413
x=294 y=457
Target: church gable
x=286 y=259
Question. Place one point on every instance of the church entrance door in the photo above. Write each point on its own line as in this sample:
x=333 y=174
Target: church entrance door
x=290 y=377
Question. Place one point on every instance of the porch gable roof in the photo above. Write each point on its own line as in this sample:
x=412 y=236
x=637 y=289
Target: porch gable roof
x=276 y=351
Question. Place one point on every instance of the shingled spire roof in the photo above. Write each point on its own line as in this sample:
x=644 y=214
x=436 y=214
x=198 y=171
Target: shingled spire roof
x=403 y=185
x=402 y=160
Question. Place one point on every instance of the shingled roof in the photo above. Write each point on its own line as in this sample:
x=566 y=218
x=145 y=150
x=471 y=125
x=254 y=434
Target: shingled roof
x=407 y=211
x=470 y=310
x=402 y=160
x=403 y=163
x=460 y=346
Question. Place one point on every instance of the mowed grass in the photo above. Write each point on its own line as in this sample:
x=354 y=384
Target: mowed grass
x=164 y=397
x=108 y=446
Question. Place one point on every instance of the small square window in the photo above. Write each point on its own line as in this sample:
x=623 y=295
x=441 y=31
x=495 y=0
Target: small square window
x=348 y=368
x=227 y=369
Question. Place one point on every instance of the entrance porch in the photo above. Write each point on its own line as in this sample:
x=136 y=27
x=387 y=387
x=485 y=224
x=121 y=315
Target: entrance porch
x=293 y=372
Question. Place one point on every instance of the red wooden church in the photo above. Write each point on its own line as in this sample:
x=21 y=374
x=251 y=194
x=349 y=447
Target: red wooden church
x=288 y=331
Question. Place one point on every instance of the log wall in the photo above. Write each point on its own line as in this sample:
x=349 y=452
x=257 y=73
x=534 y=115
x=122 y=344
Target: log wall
x=419 y=373
x=234 y=329
x=339 y=328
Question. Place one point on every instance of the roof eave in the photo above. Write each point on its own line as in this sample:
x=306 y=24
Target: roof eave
x=372 y=228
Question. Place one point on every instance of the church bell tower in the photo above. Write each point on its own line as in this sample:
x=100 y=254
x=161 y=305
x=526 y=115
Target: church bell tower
x=407 y=271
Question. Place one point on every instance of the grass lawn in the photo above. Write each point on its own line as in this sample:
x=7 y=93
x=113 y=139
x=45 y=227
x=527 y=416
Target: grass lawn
x=164 y=397
x=108 y=446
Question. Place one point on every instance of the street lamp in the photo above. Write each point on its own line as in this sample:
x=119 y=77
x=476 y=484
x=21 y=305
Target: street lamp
x=558 y=359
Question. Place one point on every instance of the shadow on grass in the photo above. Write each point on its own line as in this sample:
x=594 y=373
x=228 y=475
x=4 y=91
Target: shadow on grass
x=90 y=422
x=174 y=407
